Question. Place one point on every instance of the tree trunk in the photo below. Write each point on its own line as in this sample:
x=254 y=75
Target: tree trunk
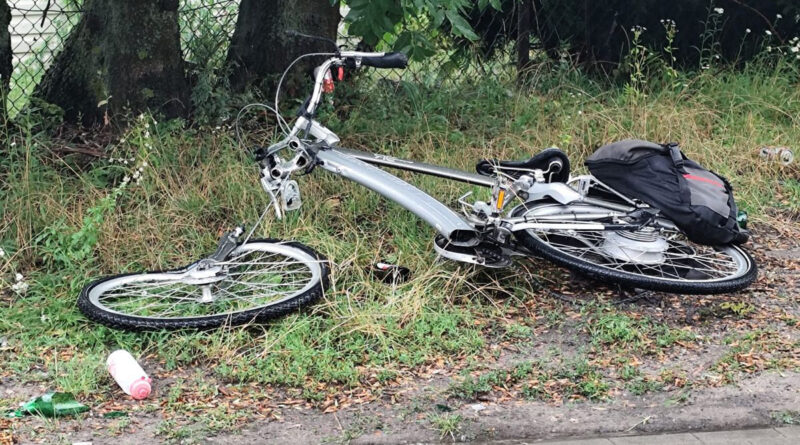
x=123 y=56
x=261 y=48
x=5 y=57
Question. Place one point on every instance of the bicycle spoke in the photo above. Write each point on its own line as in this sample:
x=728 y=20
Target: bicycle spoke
x=680 y=260
x=249 y=279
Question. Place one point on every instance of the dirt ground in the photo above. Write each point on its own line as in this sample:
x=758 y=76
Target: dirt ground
x=717 y=386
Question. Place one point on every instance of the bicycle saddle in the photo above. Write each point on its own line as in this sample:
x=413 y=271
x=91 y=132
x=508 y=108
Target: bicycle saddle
x=552 y=161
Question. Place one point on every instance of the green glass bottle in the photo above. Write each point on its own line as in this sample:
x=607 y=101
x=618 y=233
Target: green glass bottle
x=741 y=219
x=52 y=404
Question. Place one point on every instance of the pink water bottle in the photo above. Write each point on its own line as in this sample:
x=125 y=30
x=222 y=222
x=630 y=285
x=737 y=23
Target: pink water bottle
x=128 y=374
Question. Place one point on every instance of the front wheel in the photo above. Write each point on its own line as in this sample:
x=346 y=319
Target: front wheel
x=260 y=279
x=650 y=258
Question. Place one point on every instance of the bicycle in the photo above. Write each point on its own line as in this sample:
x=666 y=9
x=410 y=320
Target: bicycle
x=536 y=209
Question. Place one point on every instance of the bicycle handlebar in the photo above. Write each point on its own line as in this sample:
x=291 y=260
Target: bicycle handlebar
x=388 y=60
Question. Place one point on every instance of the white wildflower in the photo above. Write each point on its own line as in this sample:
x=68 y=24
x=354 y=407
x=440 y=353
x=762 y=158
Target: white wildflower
x=768 y=32
x=778 y=16
x=20 y=286
x=795 y=49
x=2 y=253
x=144 y=164
x=748 y=30
x=719 y=10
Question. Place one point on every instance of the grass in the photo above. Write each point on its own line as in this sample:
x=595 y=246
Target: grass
x=447 y=424
x=786 y=417
x=572 y=378
x=608 y=327
x=64 y=223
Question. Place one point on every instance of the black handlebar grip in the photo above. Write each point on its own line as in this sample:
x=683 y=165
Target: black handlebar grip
x=388 y=60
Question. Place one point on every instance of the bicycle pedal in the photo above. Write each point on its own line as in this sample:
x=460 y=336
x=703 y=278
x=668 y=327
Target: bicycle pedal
x=484 y=254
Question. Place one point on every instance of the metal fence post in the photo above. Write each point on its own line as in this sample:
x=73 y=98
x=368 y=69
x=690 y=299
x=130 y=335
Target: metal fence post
x=523 y=38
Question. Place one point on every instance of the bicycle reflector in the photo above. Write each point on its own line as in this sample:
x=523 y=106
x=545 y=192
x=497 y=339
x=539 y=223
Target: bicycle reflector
x=327 y=82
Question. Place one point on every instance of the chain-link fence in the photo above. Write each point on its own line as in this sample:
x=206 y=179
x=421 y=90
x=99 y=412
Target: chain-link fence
x=39 y=29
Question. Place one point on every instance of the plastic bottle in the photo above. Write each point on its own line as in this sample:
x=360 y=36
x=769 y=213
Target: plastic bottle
x=782 y=154
x=128 y=374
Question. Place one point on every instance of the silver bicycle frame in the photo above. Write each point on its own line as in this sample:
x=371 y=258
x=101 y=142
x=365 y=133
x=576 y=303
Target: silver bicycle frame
x=447 y=222
x=355 y=165
x=419 y=167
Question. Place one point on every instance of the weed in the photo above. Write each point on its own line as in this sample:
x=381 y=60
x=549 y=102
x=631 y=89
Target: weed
x=740 y=309
x=680 y=398
x=446 y=424
x=643 y=385
x=754 y=352
x=629 y=372
x=786 y=417
x=517 y=330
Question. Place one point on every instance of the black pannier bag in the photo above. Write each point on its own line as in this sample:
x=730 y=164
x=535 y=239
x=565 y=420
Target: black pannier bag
x=698 y=201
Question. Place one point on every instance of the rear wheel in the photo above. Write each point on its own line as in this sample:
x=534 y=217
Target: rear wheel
x=260 y=279
x=650 y=258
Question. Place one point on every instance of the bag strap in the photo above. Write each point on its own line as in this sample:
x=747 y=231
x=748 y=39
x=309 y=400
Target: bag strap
x=674 y=152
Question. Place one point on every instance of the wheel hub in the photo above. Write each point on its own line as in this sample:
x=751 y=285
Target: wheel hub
x=205 y=274
x=644 y=246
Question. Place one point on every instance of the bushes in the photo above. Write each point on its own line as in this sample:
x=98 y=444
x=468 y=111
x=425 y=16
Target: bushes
x=598 y=34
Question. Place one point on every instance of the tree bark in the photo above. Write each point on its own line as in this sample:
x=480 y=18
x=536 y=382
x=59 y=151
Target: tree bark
x=261 y=48
x=5 y=57
x=124 y=56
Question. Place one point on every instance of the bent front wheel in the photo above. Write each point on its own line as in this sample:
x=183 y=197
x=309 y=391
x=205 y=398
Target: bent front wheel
x=260 y=279
x=649 y=258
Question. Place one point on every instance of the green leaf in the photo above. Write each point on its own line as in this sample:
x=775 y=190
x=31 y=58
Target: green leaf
x=460 y=26
x=438 y=17
x=415 y=44
x=496 y=4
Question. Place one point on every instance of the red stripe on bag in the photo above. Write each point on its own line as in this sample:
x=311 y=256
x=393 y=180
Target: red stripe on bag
x=699 y=178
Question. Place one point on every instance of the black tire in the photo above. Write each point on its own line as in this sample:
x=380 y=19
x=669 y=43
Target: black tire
x=613 y=276
x=259 y=314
